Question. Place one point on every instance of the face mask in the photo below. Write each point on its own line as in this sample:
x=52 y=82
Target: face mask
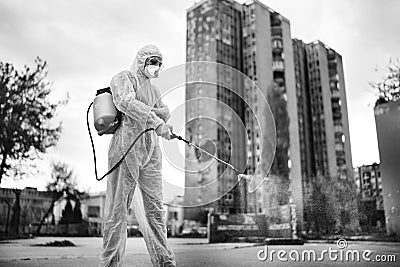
x=152 y=71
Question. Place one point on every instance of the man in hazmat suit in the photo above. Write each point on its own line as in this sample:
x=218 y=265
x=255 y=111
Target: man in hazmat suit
x=139 y=101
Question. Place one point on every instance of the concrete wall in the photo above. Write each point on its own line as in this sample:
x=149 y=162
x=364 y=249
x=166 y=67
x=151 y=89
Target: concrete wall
x=345 y=118
x=387 y=119
x=295 y=176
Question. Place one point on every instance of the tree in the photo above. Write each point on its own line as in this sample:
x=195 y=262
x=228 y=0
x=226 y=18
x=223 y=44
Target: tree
x=77 y=216
x=62 y=185
x=25 y=114
x=16 y=210
x=388 y=89
x=331 y=205
x=320 y=205
x=67 y=214
x=346 y=200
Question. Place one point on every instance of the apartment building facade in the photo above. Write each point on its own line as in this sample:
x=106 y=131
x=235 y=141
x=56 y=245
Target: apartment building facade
x=368 y=181
x=214 y=107
x=322 y=117
x=304 y=86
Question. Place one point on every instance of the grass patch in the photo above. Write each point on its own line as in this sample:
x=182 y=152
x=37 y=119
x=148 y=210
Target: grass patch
x=64 y=243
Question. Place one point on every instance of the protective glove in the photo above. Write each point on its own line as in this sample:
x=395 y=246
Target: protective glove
x=162 y=113
x=165 y=130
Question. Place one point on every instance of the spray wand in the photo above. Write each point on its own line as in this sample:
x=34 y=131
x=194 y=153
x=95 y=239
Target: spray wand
x=237 y=172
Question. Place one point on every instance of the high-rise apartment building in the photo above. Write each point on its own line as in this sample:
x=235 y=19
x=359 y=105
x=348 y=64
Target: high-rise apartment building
x=304 y=86
x=268 y=61
x=322 y=109
x=233 y=34
x=329 y=120
x=322 y=116
x=214 y=34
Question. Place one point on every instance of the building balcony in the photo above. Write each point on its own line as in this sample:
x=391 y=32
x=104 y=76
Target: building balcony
x=332 y=62
x=331 y=55
x=279 y=81
x=337 y=116
x=276 y=20
x=278 y=65
x=335 y=93
x=334 y=78
x=277 y=49
x=332 y=65
x=276 y=31
x=340 y=161
x=338 y=128
x=339 y=148
x=336 y=106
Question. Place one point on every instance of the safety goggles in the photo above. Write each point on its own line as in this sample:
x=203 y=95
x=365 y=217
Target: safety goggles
x=153 y=61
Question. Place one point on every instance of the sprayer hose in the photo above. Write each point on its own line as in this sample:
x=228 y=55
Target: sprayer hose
x=94 y=151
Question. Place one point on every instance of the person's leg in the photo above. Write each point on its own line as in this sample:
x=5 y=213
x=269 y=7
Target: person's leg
x=120 y=187
x=155 y=228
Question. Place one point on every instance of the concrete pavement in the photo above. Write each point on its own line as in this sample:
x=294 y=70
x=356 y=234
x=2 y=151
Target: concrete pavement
x=189 y=252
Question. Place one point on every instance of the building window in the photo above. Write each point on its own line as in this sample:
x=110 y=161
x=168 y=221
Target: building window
x=94 y=211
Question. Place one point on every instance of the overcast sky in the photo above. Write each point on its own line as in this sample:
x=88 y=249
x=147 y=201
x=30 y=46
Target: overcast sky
x=86 y=42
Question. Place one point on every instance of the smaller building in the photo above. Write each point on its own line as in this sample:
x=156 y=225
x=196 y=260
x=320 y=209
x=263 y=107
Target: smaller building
x=93 y=210
x=369 y=189
x=34 y=205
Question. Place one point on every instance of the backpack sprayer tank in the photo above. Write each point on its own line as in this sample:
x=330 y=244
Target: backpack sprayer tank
x=106 y=116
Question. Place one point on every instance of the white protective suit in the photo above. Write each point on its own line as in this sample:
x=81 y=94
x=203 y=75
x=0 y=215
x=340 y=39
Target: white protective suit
x=139 y=100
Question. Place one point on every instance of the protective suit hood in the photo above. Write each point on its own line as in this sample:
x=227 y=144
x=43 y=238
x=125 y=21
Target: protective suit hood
x=140 y=59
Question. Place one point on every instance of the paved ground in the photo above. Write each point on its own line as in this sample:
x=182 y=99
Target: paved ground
x=189 y=252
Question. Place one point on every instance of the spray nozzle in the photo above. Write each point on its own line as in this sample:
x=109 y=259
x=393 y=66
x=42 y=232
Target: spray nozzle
x=244 y=176
x=173 y=136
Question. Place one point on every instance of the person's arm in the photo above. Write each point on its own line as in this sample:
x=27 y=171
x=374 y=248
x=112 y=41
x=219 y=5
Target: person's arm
x=124 y=98
x=162 y=112
x=161 y=109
